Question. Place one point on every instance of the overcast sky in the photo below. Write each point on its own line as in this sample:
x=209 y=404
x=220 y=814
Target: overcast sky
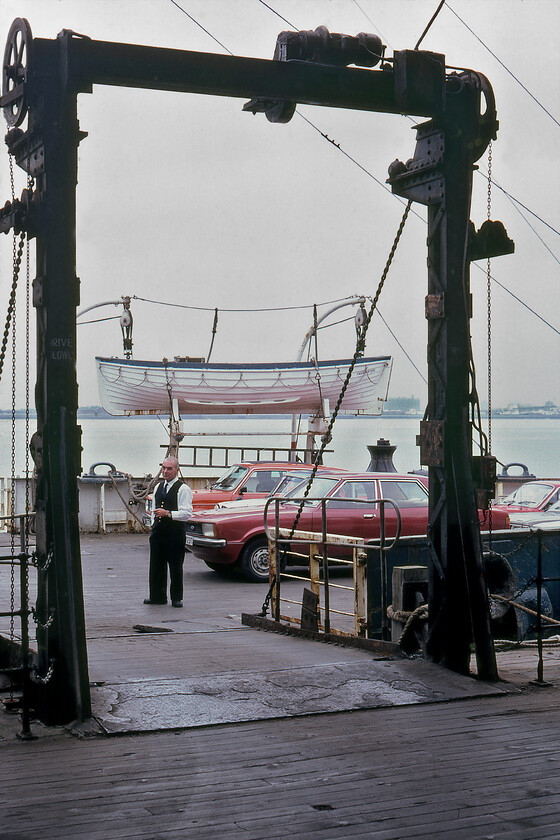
x=188 y=200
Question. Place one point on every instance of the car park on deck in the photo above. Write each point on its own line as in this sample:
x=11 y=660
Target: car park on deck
x=236 y=539
x=246 y=480
x=243 y=484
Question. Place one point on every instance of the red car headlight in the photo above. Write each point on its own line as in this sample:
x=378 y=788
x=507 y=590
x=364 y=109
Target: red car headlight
x=208 y=529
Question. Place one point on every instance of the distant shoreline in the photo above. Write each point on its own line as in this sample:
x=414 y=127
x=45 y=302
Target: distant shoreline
x=99 y=413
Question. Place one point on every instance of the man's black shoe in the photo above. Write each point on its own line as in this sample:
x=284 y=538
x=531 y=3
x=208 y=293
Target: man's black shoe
x=149 y=601
x=177 y=603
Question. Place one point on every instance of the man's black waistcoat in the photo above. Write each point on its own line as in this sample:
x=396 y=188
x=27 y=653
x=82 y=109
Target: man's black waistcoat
x=168 y=501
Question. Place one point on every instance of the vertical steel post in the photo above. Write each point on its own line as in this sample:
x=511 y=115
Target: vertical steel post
x=277 y=559
x=53 y=123
x=325 y=563
x=440 y=176
x=383 y=572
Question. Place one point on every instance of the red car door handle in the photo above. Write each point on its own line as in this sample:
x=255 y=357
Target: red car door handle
x=369 y=515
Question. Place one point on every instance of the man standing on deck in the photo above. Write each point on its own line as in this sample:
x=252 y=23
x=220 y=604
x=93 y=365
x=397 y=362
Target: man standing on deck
x=173 y=507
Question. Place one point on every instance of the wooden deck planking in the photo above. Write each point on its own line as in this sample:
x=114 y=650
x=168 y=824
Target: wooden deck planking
x=462 y=770
x=422 y=772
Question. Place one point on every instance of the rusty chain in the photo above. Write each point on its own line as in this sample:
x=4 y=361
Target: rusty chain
x=327 y=437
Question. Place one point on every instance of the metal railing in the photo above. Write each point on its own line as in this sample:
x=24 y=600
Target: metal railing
x=528 y=585
x=21 y=559
x=542 y=622
x=318 y=550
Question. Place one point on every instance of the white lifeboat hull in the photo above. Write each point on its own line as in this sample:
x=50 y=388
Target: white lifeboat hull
x=128 y=386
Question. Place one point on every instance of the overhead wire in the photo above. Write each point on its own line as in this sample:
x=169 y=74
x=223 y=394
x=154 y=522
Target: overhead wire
x=519 y=300
x=527 y=222
x=194 y=20
x=516 y=200
x=277 y=13
x=376 y=28
x=261 y=309
x=519 y=82
x=494 y=183
x=366 y=171
x=417 y=369
x=337 y=145
x=356 y=163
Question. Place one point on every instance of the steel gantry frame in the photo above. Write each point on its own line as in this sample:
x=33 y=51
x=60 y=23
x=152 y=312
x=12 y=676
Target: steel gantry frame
x=41 y=81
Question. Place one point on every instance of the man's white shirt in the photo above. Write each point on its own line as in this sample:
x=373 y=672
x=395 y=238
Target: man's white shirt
x=184 y=501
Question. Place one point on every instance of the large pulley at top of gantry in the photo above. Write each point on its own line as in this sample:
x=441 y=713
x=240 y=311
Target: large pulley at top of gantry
x=17 y=58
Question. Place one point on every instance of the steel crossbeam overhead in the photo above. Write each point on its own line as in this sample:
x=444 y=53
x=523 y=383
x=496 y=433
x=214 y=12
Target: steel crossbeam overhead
x=41 y=80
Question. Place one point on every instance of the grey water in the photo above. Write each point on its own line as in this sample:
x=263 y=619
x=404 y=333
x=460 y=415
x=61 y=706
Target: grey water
x=136 y=445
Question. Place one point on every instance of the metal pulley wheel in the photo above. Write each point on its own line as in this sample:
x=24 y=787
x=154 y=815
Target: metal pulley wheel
x=14 y=72
x=126 y=319
x=360 y=317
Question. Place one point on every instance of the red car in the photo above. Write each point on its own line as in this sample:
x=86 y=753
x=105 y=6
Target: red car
x=246 y=480
x=237 y=538
x=531 y=496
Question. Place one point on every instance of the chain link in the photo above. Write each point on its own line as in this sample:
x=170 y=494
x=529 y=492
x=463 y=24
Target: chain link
x=43 y=625
x=34 y=676
x=327 y=437
x=43 y=567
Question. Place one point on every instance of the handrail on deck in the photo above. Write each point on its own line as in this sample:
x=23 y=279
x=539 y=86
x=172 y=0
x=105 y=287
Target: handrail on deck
x=363 y=582
x=22 y=558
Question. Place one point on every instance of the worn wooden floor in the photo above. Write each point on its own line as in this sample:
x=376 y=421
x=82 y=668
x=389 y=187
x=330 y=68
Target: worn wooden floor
x=474 y=769
x=478 y=768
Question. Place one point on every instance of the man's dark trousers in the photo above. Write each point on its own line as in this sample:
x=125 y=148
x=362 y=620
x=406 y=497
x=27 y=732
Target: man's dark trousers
x=167 y=548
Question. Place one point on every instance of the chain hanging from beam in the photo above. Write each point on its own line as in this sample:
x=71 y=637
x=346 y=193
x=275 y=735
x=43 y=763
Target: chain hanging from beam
x=360 y=345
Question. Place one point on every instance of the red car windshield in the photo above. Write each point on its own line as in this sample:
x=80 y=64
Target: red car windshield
x=230 y=479
x=529 y=495
x=320 y=488
x=288 y=482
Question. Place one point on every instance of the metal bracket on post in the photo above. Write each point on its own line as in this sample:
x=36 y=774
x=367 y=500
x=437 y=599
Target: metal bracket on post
x=421 y=179
x=431 y=441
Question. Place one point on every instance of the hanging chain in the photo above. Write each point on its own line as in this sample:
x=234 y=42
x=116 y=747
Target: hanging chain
x=28 y=501
x=18 y=251
x=17 y=255
x=11 y=319
x=489 y=302
x=327 y=437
